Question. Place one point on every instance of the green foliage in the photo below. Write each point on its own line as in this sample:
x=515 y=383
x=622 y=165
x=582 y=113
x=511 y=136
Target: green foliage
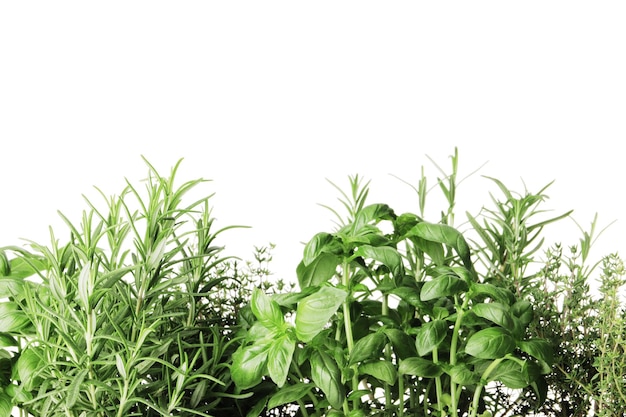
x=141 y=313
x=576 y=332
x=395 y=322
x=134 y=315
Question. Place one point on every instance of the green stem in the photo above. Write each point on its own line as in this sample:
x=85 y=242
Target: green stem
x=438 y=388
x=303 y=408
x=479 y=389
x=385 y=312
x=415 y=397
x=454 y=392
x=400 y=394
x=347 y=321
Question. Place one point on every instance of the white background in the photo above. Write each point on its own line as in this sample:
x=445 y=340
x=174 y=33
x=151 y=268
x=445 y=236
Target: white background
x=270 y=98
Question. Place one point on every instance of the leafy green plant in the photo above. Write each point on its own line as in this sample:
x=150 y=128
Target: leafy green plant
x=120 y=320
x=586 y=330
x=391 y=318
x=609 y=387
x=140 y=312
x=582 y=328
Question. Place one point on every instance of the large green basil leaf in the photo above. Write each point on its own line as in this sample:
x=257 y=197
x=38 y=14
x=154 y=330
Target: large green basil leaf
x=381 y=370
x=410 y=295
x=11 y=287
x=490 y=343
x=511 y=373
x=442 y=286
x=430 y=335
x=502 y=295
x=12 y=318
x=495 y=312
x=523 y=310
x=386 y=255
x=368 y=347
x=326 y=375
x=403 y=345
x=249 y=365
x=28 y=366
x=539 y=349
x=461 y=374
x=320 y=243
x=279 y=358
x=289 y=394
x=22 y=268
x=266 y=310
x=6 y=405
x=372 y=213
x=445 y=234
x=433 y=249
x=314 y=311
x=419 y=367
x=318 y=271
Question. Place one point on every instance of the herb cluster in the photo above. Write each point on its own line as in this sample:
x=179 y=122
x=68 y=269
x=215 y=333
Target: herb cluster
x=141 y=313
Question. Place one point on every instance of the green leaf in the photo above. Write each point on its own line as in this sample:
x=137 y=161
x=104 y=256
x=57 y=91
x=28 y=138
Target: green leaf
x=368 y=347
x=289 y=394
x=432 y=249
x=119 y=364
x=523 y=310
x=107 y=280
x=502 y=295
x=85 y=284
x=314 y=311
x=18 y=393
x=28 y=366
x=358 y=394
x=249 y=365
x=381 y=370
x=539 y=349
x=490 y=343
x=155 y=257
x=279 y=359
x=11 y=287
x=326 y=375
x=318 y=271
x=511 y=374
x=5 y=371
x=430 y=335
x=404 y=223
x=386 y=255
x=409 y=295
x=445 y=234
x=5 y=265
x=496 y=313
x=372 y=213
x=73 y=391
x=12 y=318
x=315 y=247
x=442 y=286
x=403 y=345
x=6 y=340
x=6 y=405
x=419 y=367
x=540 y=387
x=266 y=310
x=199 y=393
x=460 y=374
x=290 y=299
x=440 y=313
x=20 y=268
